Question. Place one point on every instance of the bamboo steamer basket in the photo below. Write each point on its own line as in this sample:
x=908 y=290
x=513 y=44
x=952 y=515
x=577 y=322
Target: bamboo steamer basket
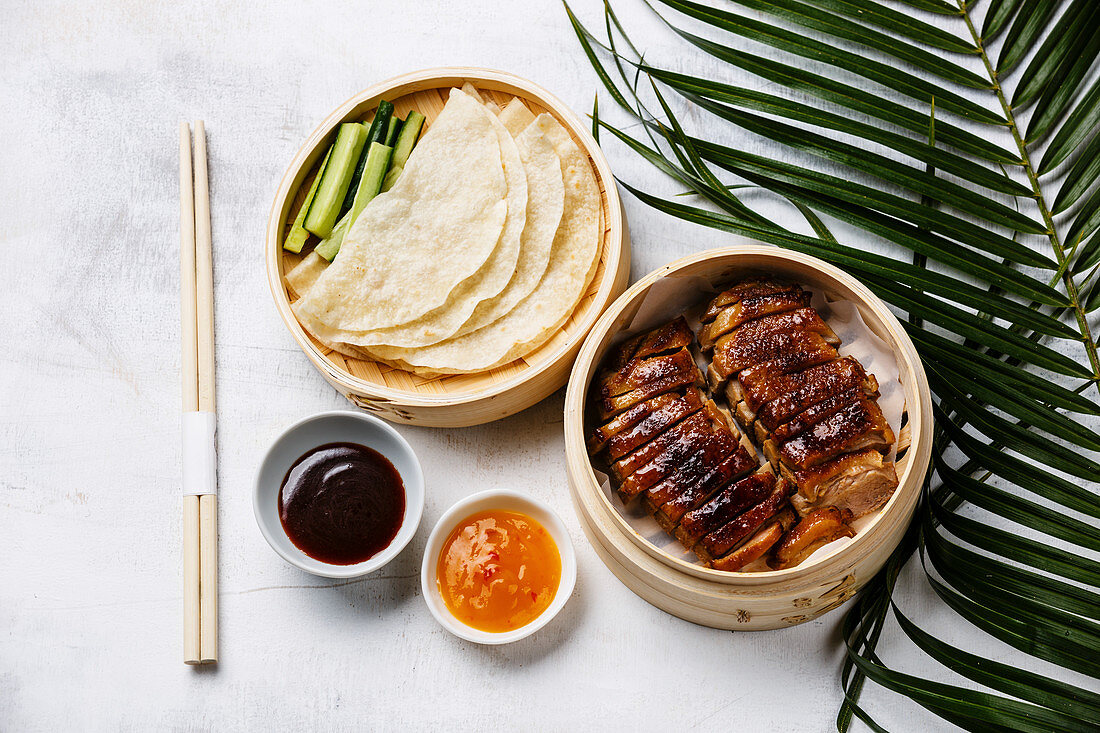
x=763 y=600
x=463 y=399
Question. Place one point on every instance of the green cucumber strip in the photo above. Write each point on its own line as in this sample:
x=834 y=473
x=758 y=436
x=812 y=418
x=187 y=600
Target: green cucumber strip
x=381 y=123
x=410 y=131
x=362 y=162
x=391 y=178
x=325 y=208
x=375 y=134
x=330 y=245
x=392 y=130
x=297 y=236
x=378 y=160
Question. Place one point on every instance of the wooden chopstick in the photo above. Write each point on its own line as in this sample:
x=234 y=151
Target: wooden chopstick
x=208 y=503
x=200 y=507
x=190 y=392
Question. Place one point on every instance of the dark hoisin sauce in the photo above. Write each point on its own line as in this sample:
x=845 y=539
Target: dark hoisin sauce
x=342 y=503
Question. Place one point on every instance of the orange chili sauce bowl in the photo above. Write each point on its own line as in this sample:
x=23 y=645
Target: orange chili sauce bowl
x=496 y=500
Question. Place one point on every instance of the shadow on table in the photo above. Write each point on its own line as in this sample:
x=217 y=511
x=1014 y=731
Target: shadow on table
x=544 y=642
x=386 y=590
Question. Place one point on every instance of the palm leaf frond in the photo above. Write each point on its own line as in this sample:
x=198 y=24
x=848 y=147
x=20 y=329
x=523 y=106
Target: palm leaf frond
x=1031 y=18
x=882 y=73
x=996 y=292
x=1081 y=123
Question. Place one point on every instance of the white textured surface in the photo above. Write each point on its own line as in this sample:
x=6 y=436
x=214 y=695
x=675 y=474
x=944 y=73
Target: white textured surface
x=90 y=607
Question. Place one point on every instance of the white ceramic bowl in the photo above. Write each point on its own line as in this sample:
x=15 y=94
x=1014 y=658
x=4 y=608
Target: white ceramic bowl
x=508 y=501
x=338 y=426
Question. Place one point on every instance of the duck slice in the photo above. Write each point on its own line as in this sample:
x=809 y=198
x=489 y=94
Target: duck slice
x=752 y=549
x=719 y=542
x=674 y=407
x=597 y=439
x=860 y=482
x=691 y=495
x=640 y=372
x=663 y=374
x=811 y=416
x=751 y=288
x=672 y=336
x=761 y=386
x=694 y=469
x=775 y=399
x=800 y=319
x=815 y=530
x=725 y=506
x=779 y=352
x=620 y=366
x=859 y=426
x=749 y=309
x=710 y=445
x=629 y=463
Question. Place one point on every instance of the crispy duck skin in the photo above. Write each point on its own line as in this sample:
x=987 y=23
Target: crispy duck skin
x=776 y=401
x=728 y=536
x=751 y=308
x=670 y=337
x=598 y=438
x=701 y=421
x=750 y=550
x=811 y=416
x=783 y=351
x=640 y=372
x=683 y=430
x=834 y=379
x=859 y=482
x=668 y=414
x=711 y=447
x=618 y=357
x=801 y=319
x=676 y=371
x=725 y=506
x=751 y=288
x=856 y=427
x=761 y=386
x=694 y=481
x=691 y=495
x=693 y=454
x=816 y=529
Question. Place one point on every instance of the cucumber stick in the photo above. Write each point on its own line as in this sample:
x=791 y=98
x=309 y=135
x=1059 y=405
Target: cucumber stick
x=297 y=236
x=330 y=245
x=392 y=130
x=378 y=161
x=376 y=134
x=391 y=178
x=410 y=131
x=406 y=140
x=325 y=207
x=381 y=123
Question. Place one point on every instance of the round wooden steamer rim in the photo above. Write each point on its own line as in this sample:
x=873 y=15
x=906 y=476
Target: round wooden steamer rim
x=614 y=256
x=753 y=257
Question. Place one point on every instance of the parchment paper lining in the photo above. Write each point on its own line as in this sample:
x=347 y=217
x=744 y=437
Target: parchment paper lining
x=675 y=295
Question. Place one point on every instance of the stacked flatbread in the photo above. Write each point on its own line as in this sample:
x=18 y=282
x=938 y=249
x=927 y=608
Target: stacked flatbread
x=476 y=256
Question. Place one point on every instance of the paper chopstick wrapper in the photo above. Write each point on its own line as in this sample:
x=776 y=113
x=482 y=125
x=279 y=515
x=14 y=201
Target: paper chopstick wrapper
x=200 y=460
x=674 y=296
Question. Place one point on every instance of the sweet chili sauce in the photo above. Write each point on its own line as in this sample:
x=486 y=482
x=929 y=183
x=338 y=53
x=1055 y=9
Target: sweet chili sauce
x=498 y=570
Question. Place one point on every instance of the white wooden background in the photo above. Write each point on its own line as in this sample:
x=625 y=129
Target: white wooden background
x=90 y=613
